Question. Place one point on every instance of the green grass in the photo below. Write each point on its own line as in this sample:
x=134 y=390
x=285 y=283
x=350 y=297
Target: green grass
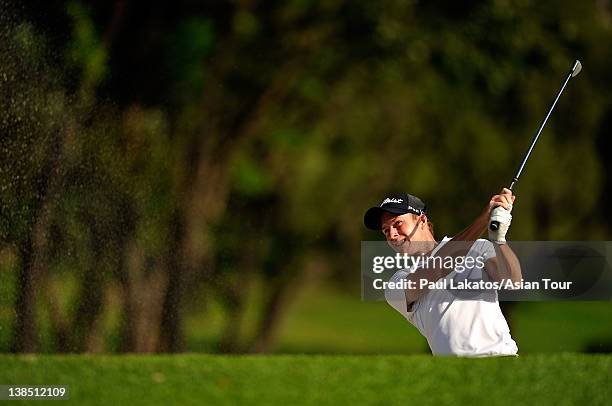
x=320 y=320
x=325 y=321
x=546 y=327
x=560 y=379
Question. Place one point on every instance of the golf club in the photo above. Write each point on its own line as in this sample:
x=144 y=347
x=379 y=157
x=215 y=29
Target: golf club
x=576 y=68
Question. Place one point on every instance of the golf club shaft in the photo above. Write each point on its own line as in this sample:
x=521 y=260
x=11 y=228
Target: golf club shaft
x=576 y=67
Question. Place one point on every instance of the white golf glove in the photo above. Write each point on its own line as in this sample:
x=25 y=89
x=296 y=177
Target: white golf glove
x=504 y=218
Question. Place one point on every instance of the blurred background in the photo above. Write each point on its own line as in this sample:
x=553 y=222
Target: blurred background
x=192 y=176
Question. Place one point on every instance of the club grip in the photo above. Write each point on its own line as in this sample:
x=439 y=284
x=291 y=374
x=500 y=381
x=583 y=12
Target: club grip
x=494 y=225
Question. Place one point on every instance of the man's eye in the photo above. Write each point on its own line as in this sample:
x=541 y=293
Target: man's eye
x=398 y=223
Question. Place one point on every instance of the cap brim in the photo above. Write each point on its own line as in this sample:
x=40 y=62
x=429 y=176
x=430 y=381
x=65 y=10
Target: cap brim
x=372 y=218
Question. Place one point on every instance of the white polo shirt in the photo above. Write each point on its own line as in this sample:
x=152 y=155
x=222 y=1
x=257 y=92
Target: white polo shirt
x=458 y=326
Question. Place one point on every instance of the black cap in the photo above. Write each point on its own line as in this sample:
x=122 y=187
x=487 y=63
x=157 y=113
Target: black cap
x=396 y=203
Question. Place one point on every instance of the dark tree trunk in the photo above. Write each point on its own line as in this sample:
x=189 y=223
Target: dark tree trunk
x=33 y=249
x=90 y=305
x=234 y=298
x=272 y=314
x=144 y=288
x=128 y=341
x=171 y=331
x=33 y=252
x=172 y=336
x=236 y=294
x=26 y=329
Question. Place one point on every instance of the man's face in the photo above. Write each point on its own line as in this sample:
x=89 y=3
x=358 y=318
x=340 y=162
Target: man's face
x=404 y=232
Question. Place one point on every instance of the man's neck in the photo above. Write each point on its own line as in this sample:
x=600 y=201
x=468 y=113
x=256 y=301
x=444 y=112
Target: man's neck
x=424 y=247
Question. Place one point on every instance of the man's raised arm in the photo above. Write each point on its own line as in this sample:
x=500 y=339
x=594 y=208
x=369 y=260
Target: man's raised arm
x=458 y=246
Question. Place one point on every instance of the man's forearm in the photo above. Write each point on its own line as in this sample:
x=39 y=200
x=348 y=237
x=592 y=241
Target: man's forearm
x=507 y=265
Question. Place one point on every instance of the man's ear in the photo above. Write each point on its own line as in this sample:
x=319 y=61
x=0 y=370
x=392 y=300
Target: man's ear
x=423 y=220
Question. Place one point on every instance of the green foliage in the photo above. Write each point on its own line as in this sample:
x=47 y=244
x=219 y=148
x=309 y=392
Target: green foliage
x=85 y=50
x=187 y=50
x=249 y=179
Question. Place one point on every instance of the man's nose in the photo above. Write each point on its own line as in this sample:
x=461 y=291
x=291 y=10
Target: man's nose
x=393 y=234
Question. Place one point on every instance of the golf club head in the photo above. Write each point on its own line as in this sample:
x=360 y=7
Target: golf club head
x=576 y=68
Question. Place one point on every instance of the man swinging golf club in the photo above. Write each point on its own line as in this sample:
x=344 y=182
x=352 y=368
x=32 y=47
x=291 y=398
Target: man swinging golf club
x=452 y=324
x=455 y=323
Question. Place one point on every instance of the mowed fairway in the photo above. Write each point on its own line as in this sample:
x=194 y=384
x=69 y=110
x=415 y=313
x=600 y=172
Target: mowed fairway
x=309 y=379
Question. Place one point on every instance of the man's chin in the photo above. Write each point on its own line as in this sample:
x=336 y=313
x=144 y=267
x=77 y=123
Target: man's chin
x=410 y=247
x=402 y=248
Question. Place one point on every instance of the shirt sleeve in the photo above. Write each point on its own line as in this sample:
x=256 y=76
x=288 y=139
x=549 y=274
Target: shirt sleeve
x=486 y=249
x=397 y=297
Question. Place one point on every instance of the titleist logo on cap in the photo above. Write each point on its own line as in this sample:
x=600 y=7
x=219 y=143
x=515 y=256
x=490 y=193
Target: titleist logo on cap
x=389 y=200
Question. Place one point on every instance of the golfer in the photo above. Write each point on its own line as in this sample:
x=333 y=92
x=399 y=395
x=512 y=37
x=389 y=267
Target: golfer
x=453 y=322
